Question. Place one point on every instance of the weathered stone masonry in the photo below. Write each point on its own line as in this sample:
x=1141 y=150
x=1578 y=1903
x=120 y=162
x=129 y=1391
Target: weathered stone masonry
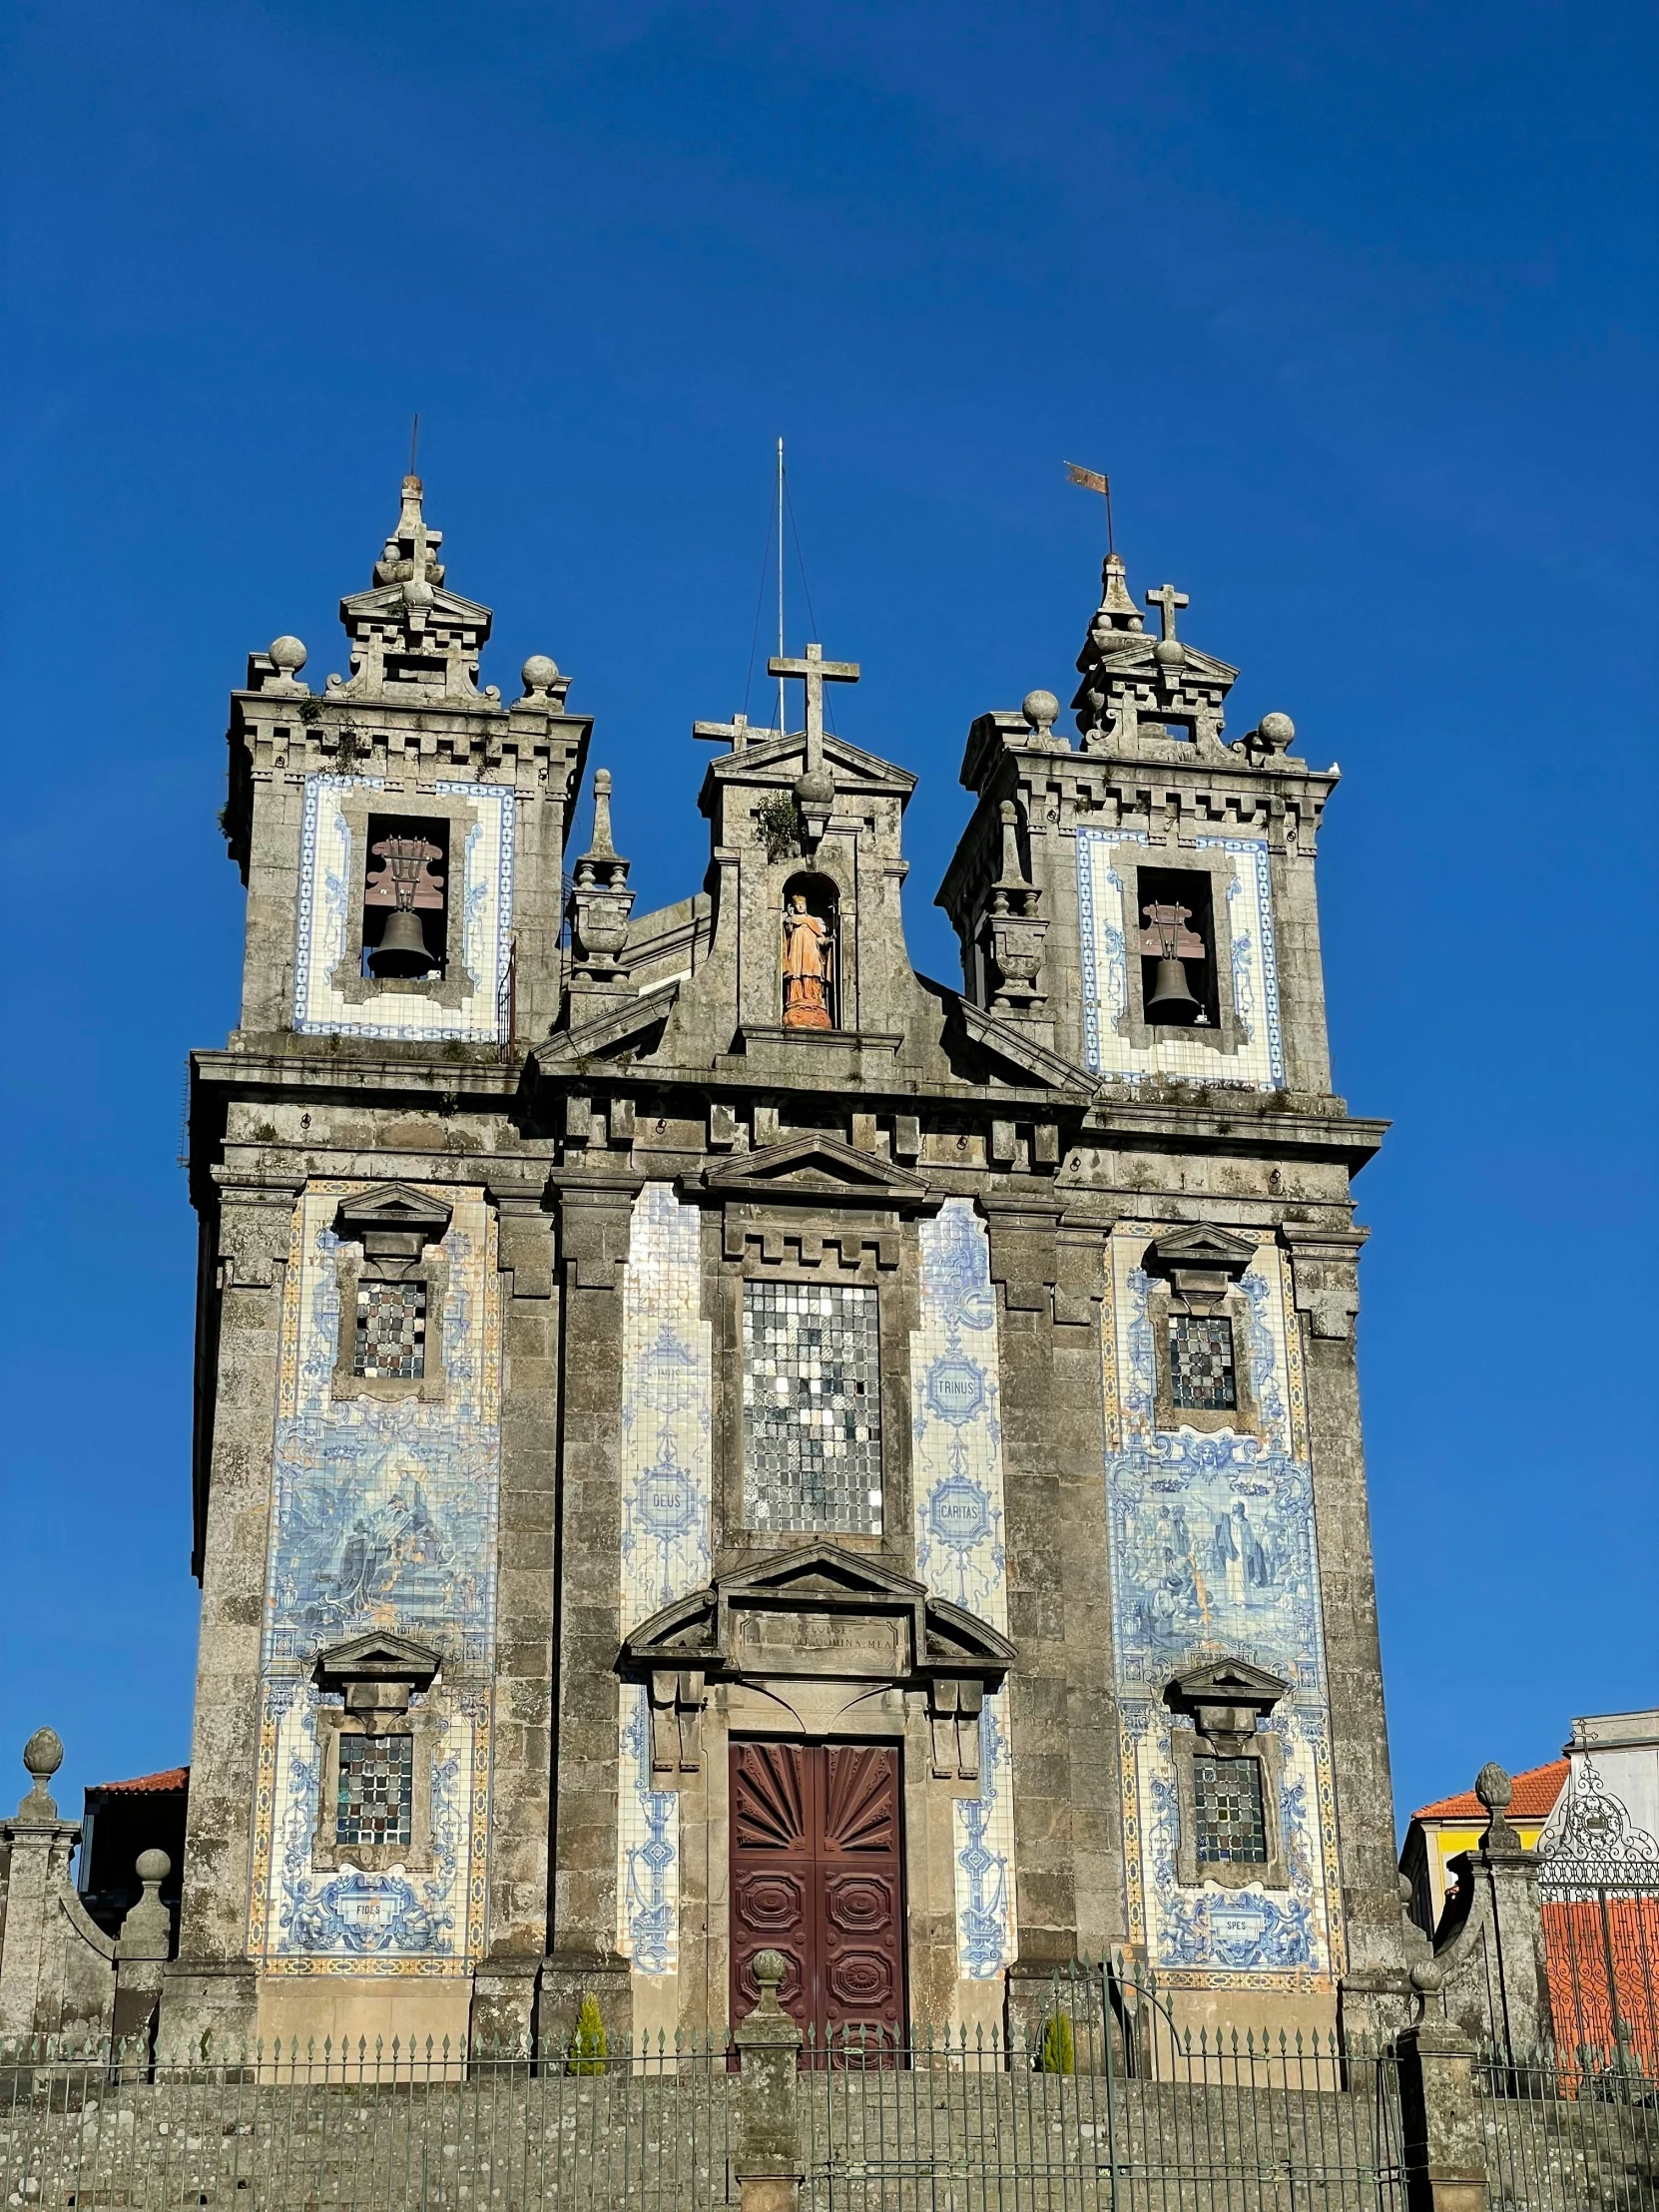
x=1026 y=1305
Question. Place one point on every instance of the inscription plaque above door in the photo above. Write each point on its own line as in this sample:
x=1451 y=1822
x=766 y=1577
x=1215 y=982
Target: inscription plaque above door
x=817 y=1874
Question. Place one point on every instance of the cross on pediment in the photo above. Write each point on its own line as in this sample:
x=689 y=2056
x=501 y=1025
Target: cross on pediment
x=815 y=671
x=1166 y=599
x=737 y=733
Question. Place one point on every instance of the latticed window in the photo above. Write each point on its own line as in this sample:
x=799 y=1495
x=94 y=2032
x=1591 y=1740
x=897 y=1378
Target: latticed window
x=1201 y=1371
x=391 y=1331
x=1229 y=1812
x=377 y=1789
x=812 y=1407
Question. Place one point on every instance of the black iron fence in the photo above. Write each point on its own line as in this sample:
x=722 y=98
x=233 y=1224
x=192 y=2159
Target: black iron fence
x=1100 y=2105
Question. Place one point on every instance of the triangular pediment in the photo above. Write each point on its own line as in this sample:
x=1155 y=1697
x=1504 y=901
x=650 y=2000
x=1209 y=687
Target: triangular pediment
x=393 y=1206
x=821 y=1570
x=1227 y=1682
x=815 y=1167
x=378 y=1657
x=848 y=764
x=387 y=600
x=1202 y=1244
x=820 y=1577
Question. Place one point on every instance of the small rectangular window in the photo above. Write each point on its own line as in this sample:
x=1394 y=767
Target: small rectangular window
x=391 y=1331
x=812 y=1407
x=376 y=1790
x=1201 y=1373
x=1229 y=1814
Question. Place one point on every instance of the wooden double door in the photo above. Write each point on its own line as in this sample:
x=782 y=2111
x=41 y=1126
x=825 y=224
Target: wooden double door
x=817 y=1874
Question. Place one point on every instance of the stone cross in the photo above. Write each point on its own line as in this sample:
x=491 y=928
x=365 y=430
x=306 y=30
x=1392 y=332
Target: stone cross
x=815 y=670
x=736 y=733
x=1166 y=599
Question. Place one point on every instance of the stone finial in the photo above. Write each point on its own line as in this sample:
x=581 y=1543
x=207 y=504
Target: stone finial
x=1277 y=731
x=287 y=656
x=147 y=1931
x=540 y=674
x=1115 y=596
x=1494 y=1786
x=1494 y=1789
x=42 y=1756
x=768 y=1969
x=1041 y=707
x=1014 y=926
x=600 y=904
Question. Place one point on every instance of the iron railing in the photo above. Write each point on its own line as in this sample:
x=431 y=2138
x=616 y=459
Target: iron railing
x=1570 y=2131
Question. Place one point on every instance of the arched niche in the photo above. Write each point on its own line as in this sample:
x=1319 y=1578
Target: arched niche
x=808 y=942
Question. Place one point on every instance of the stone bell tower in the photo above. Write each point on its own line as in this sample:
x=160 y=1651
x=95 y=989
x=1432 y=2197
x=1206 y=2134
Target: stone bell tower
x=377 y=1598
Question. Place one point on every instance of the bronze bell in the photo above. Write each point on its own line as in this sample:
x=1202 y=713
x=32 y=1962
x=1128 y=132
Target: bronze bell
x=1171 y=1000
x=401 y=950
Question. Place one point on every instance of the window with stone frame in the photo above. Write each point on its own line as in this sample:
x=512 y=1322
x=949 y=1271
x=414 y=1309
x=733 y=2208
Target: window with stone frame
x=1229 y=1812
x=1203 y=1375
x=812 y=1407
x=375 y=1803
x=391 y=1331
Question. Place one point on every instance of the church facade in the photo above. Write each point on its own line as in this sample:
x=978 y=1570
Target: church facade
x=708 y=1440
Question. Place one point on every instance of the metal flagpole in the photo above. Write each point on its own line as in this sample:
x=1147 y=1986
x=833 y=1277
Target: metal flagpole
x=782 y=723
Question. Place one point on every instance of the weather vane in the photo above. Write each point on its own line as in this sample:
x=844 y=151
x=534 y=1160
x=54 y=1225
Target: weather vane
x=1092 y=480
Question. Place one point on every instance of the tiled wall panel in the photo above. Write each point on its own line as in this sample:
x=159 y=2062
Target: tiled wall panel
x=1213 y=1554
x=958 y=1478
x=665 y=1535
x=384 y=1516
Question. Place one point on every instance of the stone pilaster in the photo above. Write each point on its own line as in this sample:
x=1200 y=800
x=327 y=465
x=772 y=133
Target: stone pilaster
x=1062 y=1721
x=211 y=1985
x=1325 y=1287
x=505 y=1984
x=594 y=1207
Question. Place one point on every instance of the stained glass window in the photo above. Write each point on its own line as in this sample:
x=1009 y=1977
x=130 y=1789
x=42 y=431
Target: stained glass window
x=812 y=1407
x=391 y=1331
x=1201 y=1363
x=1227 y=1808
x=377 y=1789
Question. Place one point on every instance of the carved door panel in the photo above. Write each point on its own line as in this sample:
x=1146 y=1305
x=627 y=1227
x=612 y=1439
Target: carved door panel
x=817 y=1874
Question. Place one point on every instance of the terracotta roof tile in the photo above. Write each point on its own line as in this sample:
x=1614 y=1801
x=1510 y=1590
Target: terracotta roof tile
x=1534 y=1800
x=172 y=1777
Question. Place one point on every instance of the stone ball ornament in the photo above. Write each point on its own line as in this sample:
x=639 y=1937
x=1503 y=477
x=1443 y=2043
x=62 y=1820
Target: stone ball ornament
x=154 y=1866
x=287 y=654
x=1040 y=709
x=1277 y=730
x=539 y=671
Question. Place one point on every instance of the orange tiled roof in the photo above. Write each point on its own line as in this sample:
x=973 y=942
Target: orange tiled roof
x=173 y=1778
x=1534 y=1800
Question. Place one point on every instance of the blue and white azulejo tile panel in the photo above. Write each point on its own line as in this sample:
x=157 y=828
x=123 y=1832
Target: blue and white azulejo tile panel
x=384 y=1516
x=1213 y=1555
x=332 y=877
x=955 y=1389
x=1108 y=927
x=667 y=1371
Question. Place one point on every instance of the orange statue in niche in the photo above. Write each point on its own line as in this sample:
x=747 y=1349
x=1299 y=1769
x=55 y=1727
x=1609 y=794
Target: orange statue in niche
x=809 y=959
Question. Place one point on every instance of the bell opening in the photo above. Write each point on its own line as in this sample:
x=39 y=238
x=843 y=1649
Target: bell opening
x=405 y=898
x=1177 y=942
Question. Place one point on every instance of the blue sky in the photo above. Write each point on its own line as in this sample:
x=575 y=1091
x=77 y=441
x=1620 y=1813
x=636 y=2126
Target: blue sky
x=1356 y=306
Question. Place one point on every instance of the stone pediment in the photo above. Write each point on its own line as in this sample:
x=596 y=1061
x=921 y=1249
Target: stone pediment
x=814 y=1170
x=851 y=766
x=817 y=1610
x=608 y=1032
x=1028 y=1056
x=386 y=602
x=377 y=1657
x=1226 y=1682
x=393 y=1206
x=1201 y=1244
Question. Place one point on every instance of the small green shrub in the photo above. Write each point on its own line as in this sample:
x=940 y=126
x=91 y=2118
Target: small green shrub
x=1059 y=2046
x=589 y=2044
x=779 y=821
